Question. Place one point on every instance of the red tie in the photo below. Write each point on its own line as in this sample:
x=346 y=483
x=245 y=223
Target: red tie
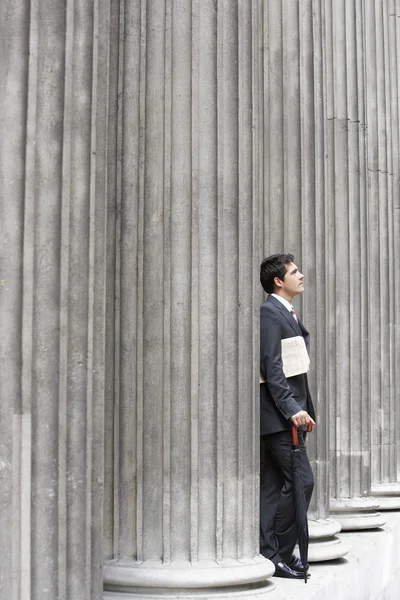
x=294 y=314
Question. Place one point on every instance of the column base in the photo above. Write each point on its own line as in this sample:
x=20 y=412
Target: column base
x=324 y=545
x=357 y=513
x=387 y=494
x=150 y=580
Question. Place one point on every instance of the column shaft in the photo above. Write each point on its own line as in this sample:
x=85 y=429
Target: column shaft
x=379 y=150
x=53 y=327
x=293 y=207
x=182 y=467
x=350 y=415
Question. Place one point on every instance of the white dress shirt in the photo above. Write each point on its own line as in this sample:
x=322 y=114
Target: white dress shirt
x=285 y=303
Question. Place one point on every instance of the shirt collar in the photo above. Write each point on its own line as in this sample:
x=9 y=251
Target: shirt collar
x=285 y=303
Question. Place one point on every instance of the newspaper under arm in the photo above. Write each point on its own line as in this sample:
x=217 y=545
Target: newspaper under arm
x=295 y=359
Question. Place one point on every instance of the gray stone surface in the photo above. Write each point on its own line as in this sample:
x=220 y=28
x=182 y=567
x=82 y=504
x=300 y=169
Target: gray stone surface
x=379 y=81
x=370 y=570
x=182 y=461
x=295 y=131
x=53 y=213
x=350 y=437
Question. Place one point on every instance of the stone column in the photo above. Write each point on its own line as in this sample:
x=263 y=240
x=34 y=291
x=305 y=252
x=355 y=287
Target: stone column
x=52 y=182
x=384 y=395
x=294 y=207
x=182 y=455
x=347 y=276
x=394 y=51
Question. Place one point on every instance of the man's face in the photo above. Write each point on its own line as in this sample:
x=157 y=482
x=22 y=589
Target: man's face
x=292 y=285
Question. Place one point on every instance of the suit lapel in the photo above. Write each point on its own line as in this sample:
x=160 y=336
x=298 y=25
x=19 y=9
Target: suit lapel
x=290 y=318
x=305 y=335
x=304 y=331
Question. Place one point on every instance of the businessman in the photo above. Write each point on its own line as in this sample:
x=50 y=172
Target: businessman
x=283 y=402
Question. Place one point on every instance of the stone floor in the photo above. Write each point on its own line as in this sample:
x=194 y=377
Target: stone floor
x=370 y=571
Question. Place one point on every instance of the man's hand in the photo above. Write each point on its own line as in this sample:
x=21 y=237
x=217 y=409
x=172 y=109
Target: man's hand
x=302 y=418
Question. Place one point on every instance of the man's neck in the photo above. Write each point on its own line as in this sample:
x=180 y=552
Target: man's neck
x=285 y=297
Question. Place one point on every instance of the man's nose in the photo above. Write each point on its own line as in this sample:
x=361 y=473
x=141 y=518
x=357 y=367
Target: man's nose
x=301 y=275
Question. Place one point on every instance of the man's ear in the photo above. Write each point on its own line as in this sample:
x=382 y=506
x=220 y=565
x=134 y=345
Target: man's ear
x=277 y=282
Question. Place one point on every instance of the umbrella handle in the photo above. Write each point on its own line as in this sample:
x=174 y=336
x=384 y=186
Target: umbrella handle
x=295 y=439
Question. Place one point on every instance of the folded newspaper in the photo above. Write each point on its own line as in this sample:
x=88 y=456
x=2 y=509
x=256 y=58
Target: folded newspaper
x=295 y=359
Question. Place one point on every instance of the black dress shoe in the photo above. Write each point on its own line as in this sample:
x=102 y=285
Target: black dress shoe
x=295 y=564
x=282 y=570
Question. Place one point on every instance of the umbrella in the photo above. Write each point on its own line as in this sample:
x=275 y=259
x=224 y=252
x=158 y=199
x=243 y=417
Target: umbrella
x=300 y=503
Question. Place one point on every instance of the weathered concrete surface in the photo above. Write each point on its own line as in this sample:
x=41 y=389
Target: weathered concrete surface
x=182 y=453
x=370 y=570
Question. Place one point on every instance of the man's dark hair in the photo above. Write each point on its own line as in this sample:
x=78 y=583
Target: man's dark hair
x=271 y=267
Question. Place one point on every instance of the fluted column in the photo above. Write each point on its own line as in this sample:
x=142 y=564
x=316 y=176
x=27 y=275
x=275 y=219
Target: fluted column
x=293 y=207
x=53 y=132
x=384 y=396
x=182 y=463
x=394 y=53
x=347 y=311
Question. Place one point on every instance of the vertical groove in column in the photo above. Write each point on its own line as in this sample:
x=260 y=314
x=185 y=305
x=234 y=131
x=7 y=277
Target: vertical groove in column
x=196 y=527
x=45 y=186
x=179 y=311
x=247 y=206
x=365 y=419
x=155 y=256
x=168 y=383
x=220 y=295
x=274 y=164
x=291 y=130
x=64 y=301
x=340 y=249
x=355 y=341
x=24 y=501
x=314 y=270
x=205 y=277
x=340 y=438
x=388 y=176
x=80 y=368
x=258 y=16
x=397 y=213
x=260 y=79
x=373 y=231
x=116 y=294
x=330 y=167
x=306 y=224
x=95 y=328
x=228 y=231
x=391 y=129
x=382 y=442
x=138 y=369
x=385 y=441
x=312 y=225
x=113 y=191
x=14 y=425
x=395 y=181
x=100 y=108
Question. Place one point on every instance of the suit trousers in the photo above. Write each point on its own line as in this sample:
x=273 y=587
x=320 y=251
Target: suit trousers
x=278 y=531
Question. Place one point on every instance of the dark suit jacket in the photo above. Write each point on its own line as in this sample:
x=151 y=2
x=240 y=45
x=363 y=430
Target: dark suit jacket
x=280 y=398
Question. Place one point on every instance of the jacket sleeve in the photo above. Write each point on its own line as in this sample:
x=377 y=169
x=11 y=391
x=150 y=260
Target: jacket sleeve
x=271 y=364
